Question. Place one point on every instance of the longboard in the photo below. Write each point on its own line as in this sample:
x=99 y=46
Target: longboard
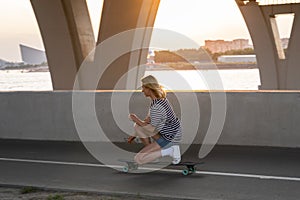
x=190 y=167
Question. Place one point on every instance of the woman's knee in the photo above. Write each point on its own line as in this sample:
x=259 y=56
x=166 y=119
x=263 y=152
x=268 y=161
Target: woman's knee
x=138 y=159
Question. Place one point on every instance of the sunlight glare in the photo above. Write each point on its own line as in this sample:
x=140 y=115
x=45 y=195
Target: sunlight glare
x=95 y=10
x=202 y=19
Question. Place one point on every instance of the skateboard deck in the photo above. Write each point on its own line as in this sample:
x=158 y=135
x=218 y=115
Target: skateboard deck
x=189 y=166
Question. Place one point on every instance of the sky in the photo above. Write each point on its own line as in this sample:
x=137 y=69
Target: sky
x=196 y=19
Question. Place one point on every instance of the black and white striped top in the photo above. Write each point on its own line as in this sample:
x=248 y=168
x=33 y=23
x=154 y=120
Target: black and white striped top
x=165 y=121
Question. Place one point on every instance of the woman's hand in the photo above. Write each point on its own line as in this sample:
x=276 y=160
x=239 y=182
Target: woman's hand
x=133 y=117
x=147 y=120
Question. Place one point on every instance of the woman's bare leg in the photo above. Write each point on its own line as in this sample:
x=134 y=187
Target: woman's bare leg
x=148 y=153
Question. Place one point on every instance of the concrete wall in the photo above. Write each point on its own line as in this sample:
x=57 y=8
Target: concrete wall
x=252 y=118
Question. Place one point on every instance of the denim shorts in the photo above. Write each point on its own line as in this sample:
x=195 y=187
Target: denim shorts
x=163 y=143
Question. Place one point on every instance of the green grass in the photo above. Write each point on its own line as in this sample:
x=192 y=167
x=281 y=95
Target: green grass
x=55 y=197
x=27 y=190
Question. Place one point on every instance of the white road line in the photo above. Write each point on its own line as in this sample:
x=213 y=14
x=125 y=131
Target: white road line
x=58 y=163
x=283 y=178
x=257 y=176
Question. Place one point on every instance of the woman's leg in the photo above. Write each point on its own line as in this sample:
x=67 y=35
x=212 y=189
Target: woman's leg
x=148 y=154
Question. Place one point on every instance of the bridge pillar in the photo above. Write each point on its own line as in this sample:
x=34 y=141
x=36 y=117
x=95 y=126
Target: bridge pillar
x=67 y=35
x=277 y=69
x=119 y=17
x=68 y=38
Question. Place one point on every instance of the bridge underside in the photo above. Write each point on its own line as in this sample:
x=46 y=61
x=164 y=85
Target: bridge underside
x=68 y=39
x=278 y=70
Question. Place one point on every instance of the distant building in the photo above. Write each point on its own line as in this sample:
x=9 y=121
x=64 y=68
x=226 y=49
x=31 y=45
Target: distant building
x=151 y=57
x=237 y=59
x=2 y=64
x=216 y=46
x=32 y=56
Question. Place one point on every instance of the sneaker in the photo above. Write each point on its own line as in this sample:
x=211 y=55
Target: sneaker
x=176 y=154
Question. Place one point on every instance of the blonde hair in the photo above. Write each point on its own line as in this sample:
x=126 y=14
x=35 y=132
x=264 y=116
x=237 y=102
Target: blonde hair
x=152 y=83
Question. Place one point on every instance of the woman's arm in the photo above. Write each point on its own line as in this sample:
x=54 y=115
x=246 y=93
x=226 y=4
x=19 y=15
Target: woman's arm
x=139 y=122
x=147 y=119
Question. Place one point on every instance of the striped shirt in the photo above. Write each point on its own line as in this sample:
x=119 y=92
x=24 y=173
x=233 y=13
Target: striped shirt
x=163 y=118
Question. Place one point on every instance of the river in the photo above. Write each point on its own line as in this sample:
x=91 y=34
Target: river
x=229 y=79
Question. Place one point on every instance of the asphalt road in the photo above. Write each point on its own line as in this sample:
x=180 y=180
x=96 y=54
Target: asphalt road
x=228 y=172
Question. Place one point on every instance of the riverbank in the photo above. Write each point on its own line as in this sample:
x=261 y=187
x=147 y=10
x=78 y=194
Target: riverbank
x=27 y=68
x=199 y=66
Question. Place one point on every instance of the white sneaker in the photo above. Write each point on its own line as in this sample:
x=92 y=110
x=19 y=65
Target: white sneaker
x=176 y=154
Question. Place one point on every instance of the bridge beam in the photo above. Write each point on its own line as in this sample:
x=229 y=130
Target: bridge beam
x=277 y=70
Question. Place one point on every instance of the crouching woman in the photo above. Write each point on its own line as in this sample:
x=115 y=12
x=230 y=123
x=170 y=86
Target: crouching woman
x=162 y=125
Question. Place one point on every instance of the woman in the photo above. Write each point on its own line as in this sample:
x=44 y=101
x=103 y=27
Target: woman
x=161 y=124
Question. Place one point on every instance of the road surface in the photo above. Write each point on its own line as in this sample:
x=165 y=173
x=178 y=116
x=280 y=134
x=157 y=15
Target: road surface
x=229 y=172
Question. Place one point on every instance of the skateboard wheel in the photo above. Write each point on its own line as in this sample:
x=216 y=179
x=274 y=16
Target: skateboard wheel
x=125 y=169
x=192 y=169
x=133 y=167
x=185 y=172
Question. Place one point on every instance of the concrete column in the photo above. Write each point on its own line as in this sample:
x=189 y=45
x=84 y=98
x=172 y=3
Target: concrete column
x=293 y=53
x=68 y=37
x=119 y=16
x=277 y=71
x=263 y=41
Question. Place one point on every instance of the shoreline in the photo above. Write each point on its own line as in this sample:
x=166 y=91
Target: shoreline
x=159 y=67
x=27 y=69
x=199 y=66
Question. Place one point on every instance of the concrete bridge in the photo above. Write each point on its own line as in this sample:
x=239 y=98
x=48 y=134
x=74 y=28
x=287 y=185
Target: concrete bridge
x=257 y=152
x=68 y=38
